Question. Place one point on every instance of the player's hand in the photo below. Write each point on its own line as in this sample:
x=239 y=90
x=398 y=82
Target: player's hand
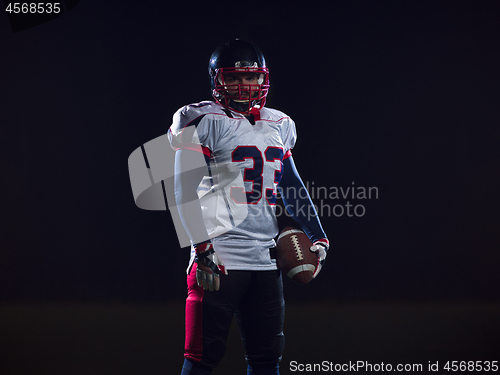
x=320 y=247
x=210 y=266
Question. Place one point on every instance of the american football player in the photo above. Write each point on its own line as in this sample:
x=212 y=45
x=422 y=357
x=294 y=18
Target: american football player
x=232 y=155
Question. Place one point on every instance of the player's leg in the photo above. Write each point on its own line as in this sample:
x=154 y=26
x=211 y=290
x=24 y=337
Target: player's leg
x=208 y=320
x=260 y=318
x=190 y=368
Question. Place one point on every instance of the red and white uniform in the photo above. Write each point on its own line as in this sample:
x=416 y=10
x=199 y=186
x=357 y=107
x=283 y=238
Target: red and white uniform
x=245 y=160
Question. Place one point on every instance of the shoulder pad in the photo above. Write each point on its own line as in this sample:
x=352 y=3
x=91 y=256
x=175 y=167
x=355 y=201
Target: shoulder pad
x=272 y=114
x=189 y=113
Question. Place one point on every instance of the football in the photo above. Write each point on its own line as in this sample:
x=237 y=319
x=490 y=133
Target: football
x=293 y=256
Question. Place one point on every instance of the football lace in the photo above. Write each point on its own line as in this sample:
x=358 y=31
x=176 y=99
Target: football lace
x=296 y=246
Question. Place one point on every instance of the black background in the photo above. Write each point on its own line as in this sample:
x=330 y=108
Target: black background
x=402 y=96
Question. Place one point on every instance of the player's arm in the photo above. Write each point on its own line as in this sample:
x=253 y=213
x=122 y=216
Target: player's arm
x=190 y=168
x=300 y=206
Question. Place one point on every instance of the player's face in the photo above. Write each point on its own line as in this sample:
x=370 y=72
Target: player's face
x=247 y=81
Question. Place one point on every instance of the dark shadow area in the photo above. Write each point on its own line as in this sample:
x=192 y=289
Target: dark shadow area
x=70 y=339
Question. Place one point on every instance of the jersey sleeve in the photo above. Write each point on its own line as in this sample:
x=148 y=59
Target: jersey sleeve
x=192 y=129
x=288 y=136
x=298 y=201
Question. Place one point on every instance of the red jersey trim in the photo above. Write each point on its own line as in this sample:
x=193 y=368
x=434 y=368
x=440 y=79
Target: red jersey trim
x=198 y=148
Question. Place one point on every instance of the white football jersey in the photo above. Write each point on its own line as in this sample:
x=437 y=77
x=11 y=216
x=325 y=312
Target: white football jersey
x=245 y=164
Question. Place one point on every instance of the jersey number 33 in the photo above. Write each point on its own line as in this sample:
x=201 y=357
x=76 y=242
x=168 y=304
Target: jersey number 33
x=255 y=174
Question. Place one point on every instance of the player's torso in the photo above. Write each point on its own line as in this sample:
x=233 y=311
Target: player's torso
x=256 y=151
x=238 y=199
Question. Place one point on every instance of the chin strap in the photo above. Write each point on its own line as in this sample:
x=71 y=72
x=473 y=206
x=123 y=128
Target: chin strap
x=243 y=107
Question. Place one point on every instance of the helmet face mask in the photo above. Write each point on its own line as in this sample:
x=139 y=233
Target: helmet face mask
x=239 y=76
x=228 y=91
